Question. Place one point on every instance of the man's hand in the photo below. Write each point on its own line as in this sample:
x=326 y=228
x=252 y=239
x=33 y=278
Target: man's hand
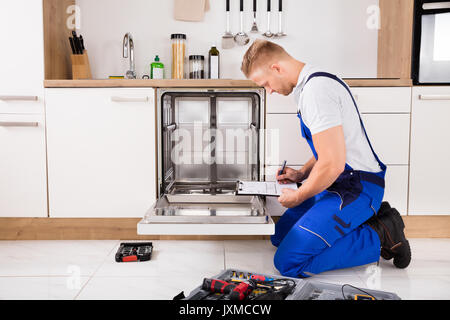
x=290 y=176
x=290 y=198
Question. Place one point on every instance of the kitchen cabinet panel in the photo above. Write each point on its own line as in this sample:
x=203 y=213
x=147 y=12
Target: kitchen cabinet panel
x=21 y=104
x=22 y=55
x=101 y=152
x=389 y=136
x=430 y=152
x=383 y=100
x=23 y=186
x=284 y=140
x=396 y=189
x=277 y=103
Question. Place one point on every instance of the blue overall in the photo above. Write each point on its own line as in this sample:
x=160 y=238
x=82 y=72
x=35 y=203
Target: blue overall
x=326 y=232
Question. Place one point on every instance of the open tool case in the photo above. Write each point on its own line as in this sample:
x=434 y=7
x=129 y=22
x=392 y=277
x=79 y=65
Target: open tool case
x=303 y=290
x=134 y=251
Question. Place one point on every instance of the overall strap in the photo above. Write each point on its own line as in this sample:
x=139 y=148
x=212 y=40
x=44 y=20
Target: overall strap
x=332 y=76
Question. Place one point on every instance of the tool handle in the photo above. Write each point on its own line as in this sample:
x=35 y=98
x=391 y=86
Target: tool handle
x=280 y=5
x=228 y=5
x=254 y=5
x=268 y=6
x=72 y=45
x=241 y=6
x=216 y=285
x=258 y=277
x=241 y=291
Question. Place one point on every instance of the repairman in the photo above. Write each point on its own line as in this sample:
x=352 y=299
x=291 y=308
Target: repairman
x=334 y=219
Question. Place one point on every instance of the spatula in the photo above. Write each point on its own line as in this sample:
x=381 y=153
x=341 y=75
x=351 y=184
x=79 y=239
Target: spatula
x=228 y=38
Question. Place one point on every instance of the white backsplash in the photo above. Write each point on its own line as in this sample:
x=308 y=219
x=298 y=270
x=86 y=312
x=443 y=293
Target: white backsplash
x=328 y=33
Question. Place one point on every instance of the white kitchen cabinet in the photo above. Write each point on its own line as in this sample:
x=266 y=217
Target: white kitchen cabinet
x=277 y=103
x=389 y=136
x=101 y=151
x=430 y=151
x=22 y=54
x=23 y=186
x=284 y=140
x=388 y=133
x=396 y=188
x=383 y=99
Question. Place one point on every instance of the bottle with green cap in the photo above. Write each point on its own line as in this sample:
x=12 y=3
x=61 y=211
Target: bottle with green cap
x=157 y=69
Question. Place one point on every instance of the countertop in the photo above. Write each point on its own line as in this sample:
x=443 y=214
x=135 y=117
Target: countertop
x=201 y=83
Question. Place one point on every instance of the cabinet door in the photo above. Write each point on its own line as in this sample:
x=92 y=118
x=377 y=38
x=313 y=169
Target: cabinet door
x=389 y=136
x=396 y=190
x=430 y=152
x=277 y=103
x=22 y=54
x=101 y=152
x=284 y=140
x=23 y=187
x=383 y=100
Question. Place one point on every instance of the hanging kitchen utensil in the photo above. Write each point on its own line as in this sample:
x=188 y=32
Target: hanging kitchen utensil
x=254 y=25
x=241 y=37
x=268 y=33
x=280 y=20
x=228 y=38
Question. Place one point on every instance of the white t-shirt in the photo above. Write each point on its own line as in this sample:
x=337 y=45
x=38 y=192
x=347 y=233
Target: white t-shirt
x=323 y=104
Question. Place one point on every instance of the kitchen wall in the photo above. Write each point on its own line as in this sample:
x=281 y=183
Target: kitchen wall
x=329 y=33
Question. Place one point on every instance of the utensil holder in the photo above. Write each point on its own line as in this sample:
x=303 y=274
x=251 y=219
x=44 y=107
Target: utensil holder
x=81 y=68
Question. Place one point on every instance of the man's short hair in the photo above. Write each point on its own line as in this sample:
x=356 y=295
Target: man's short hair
x=259 y=52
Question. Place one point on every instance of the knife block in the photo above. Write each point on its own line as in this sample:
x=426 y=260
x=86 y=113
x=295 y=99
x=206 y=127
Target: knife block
x=81 y=69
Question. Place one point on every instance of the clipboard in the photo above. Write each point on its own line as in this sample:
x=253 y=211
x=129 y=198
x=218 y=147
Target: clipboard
x=263 y=188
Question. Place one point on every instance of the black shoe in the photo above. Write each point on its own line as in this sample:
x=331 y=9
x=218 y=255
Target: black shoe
x=389 y=226
x=385 y=207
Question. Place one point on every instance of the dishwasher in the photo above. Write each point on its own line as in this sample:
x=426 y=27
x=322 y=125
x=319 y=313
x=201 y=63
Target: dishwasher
x=207 y=140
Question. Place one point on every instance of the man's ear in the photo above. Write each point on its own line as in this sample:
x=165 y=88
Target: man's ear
x=275 y=67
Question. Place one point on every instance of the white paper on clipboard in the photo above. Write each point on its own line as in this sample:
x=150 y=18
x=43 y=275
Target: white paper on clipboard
x=263 y=188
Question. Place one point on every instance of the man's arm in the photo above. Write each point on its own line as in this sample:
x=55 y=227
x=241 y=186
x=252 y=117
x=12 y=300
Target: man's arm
x=306 y=169
x=330 y=147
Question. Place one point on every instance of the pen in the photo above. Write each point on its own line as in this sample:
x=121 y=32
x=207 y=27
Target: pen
x=282 y=168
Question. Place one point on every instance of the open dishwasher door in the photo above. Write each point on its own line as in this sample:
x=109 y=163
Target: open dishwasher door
x=208 y=139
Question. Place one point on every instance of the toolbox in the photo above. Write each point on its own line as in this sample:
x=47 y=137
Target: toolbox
x=134 y=251
x=302 y=289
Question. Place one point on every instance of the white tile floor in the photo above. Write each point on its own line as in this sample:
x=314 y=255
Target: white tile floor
x=87 y=269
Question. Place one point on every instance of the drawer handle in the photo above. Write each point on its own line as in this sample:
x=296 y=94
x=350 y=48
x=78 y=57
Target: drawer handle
x=122 y=99
x=434 y=97
x=19 y=98
x=18 y=124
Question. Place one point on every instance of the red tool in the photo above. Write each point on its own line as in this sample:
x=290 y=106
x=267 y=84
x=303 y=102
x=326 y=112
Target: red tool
x=215 y=285
x=241 y=291
x=237 y=292
x=258 y=277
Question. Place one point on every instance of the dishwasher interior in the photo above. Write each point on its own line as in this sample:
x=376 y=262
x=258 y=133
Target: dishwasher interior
x=208 y=139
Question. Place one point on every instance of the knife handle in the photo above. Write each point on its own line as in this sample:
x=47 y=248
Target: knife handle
x=72 y=46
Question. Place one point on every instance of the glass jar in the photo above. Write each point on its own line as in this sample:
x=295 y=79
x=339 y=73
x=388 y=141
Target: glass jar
x=196 y=67
x=178 y=55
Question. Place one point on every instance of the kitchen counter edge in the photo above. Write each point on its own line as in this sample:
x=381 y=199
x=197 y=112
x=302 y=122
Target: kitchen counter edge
x=201 y=83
